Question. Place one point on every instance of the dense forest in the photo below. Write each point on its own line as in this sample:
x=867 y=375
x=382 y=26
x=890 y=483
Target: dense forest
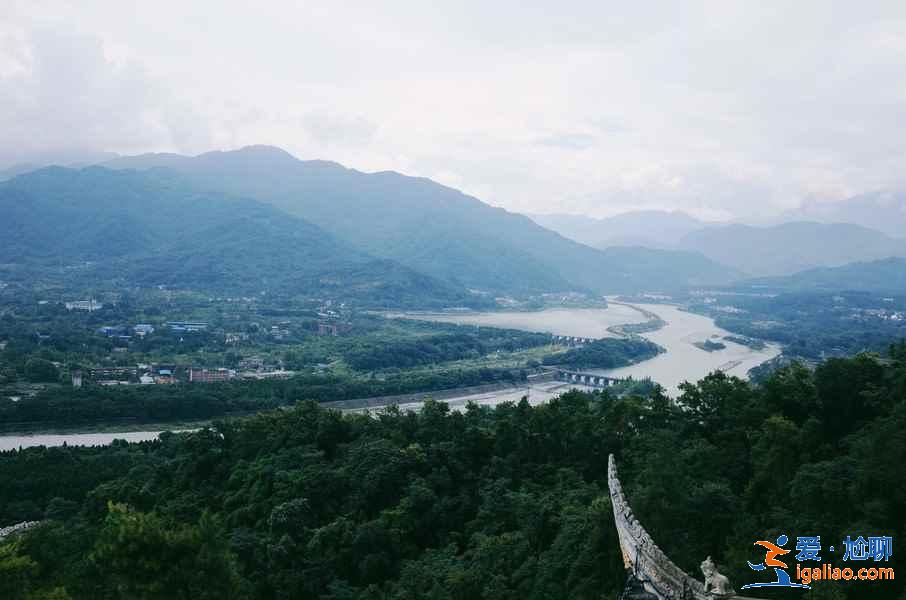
x=433 y=349
x=814 y=325
x=606 y=353
x=501 y=503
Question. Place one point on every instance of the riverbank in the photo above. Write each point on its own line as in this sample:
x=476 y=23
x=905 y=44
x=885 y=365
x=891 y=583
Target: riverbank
x=79 y=439
x=667 y=325
x=653 y=322
x=403 y=399
x=683 y=361
x=131 y=426
x=538 y=389
x=536 y=392
x=676 y=331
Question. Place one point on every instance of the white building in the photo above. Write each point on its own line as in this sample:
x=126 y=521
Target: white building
x=89 y=305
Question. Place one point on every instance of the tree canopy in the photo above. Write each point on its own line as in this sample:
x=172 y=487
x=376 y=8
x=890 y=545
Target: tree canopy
x=499 y=503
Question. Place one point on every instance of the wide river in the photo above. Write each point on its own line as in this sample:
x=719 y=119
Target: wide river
x=574 y=322
x=683 y=361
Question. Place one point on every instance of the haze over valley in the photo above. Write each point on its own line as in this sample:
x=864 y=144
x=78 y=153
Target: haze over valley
x=462 y=301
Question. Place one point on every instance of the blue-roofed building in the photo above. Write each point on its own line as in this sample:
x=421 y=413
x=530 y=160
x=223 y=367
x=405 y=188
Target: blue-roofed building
x=112 y=330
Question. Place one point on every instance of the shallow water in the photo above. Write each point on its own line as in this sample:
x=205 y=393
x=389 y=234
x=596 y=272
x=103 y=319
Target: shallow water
x=576 y=322
x=682 y=361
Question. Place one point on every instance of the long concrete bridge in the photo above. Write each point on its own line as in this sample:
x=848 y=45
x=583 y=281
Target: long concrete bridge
x=589 y=379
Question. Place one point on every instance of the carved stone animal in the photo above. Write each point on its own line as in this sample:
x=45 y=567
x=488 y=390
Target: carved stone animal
x=715 y=583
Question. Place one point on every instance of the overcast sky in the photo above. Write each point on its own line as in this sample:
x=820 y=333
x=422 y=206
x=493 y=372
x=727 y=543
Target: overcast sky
x=722 y=109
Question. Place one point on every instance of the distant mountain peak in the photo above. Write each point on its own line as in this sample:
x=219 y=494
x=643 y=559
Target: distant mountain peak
x=432 y=228
x=792 y=246
x=264 y=157
x=884 y=210
x=154 y=226
x=265 y=150
x=650 y=228
x=260 y=154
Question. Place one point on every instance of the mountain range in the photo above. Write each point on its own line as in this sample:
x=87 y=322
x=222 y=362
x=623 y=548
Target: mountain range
x=887 y=275
x=156 y=228
x=790 y=247
x=883 y=210
x=259 y=218
x=432 y=228
x=650 y=228
x=35 y=161
x=755 y=250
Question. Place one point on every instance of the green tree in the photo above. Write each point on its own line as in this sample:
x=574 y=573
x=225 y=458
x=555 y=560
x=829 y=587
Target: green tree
x=16 y=572
x=39 y=370
x=142 y=556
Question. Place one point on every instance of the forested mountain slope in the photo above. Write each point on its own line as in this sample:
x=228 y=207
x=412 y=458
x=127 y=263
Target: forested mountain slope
x=885 y=275
x=430 y=227
x=156 y=228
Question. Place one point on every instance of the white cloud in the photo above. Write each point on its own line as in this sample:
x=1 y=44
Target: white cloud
x=721 y=108
x=327 y=128
x=68 y=96
x=568 y=141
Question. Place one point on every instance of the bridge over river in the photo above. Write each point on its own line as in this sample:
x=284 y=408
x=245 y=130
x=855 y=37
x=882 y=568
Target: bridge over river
x=589 y=379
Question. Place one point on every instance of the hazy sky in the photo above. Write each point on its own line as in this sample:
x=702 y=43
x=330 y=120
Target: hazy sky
x=718 y=108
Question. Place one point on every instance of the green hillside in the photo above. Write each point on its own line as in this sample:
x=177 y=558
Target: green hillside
x=886 y=275
x=431 y=228
x=155 y=228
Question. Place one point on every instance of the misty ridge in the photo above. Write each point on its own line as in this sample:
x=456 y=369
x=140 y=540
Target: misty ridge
x=450 y=238
x=258 y=218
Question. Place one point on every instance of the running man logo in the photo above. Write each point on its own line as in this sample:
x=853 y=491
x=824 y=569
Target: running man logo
x=771 y=560
x=862 y=548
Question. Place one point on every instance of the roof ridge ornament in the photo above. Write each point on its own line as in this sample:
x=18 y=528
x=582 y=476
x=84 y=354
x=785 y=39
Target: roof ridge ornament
x=651 y=574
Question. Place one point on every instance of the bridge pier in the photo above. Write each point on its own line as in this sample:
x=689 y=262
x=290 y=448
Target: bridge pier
x=589 y=379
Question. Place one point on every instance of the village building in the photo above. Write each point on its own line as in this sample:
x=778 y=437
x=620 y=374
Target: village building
x=189 y=326
x=89 y=305
x=202 y=375
x=143 y=329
